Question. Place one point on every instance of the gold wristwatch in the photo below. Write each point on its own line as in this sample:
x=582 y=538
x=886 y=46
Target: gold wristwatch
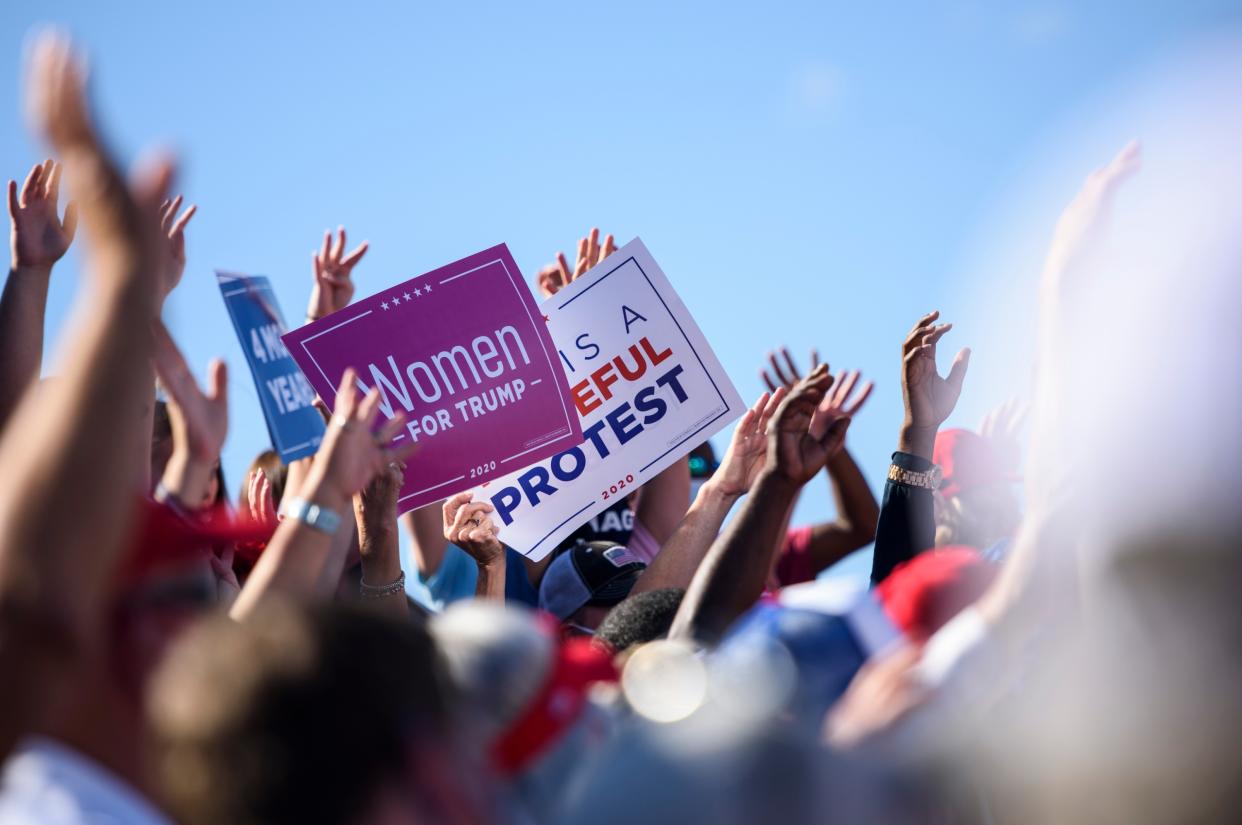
x=927 y=479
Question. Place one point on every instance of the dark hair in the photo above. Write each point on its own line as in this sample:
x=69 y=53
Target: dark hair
x=640 y=619
x=297 y=715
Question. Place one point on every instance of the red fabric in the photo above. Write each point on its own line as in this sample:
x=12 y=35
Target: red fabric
x=967 y=460
x=579 y=663
x=923 y=594
x=165 y=538
x=794 y=565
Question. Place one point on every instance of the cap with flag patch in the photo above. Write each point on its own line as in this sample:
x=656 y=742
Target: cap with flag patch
x=598 y=573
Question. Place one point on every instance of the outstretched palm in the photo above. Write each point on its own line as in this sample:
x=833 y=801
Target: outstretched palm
x=38 y=237
x=930 y=398
x=747 y=453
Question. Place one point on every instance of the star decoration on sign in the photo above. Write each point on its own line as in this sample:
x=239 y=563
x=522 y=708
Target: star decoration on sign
x=407 y=295
x=418 y=291
x=384 y=305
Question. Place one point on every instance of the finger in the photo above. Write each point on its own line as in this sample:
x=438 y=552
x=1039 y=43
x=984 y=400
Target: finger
x=369 y=411
x=814 y=356
x=354 y=257
x=582 y=264
x=401 y=451
x=218 y=382
x=219 y=567
x=347 y=394
x=31 y=186
x=391 y=428
x=70 y=224
x=610 y=246
x=744 y=426
x=862 y=399
x=957 y=373
x=267 y=501
x=226 y=556
x=917 y=330
x=834 y=438
x=593 y=245
x=760 y=403
x=52 y=189
x=170 y=212
x=767 y=380
x=773 y=404
x=845 y=385
x=931 y=338
x=776 y=368
x=338 y=248
x=325 y=251
x=793 y=368
x=179 y=227
x=13 y=205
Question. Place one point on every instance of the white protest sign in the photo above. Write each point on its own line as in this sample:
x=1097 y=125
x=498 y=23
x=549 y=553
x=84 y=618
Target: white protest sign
x=647 y=389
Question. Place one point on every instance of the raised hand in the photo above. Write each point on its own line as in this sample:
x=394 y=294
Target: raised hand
x=333 y=270
x=260 y=504
x=556 y=276
x=468 y=524
x=786 y=376
x=929 y=397
x=173 y=227
x=1002 y=426
x=796 y=449
x=227 y=586
x=125 y=242
x=38 y=237
x=353 y=452
x=1079 y=226
x=748 y=449
x=840 y=401
x=376 y=505
x=200 y=420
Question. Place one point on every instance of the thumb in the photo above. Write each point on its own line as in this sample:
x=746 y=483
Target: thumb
x=70 y=223
x=835 y=437
x=957 y=373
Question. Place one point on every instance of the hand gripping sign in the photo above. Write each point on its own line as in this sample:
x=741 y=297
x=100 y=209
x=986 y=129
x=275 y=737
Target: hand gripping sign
x=644 y=383
x=464 y=352
x=295 y=426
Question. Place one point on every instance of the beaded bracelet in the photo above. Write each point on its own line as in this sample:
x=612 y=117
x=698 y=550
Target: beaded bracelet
x=370 y=591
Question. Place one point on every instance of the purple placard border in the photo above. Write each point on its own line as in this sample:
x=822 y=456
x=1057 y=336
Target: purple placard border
x=522 y=299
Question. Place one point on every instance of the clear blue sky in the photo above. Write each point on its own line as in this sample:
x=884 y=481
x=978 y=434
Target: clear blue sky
x=806 y=173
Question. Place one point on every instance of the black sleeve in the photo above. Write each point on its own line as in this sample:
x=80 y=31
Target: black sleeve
x=907 y=523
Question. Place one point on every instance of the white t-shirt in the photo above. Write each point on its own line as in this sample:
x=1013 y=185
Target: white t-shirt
x=48 y=783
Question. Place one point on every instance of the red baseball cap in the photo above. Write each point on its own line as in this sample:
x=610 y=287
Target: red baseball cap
x=165 y=539
x=967 y=460
x=923 y=594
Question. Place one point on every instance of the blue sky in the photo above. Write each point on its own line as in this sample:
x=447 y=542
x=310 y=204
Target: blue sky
x=806 y=173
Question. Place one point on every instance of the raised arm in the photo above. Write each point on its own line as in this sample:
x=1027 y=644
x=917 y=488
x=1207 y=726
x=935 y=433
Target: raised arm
x=38 y=238
x=907 y=524
x=200 y=423
x=351 y=455
x=682 y=554
x=333 y=287
x=379 y=545
x=61 y=447
x=469 y=525
x=732 y=576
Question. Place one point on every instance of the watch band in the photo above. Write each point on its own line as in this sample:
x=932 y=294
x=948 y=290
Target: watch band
x=312 y=515
x=925 y=480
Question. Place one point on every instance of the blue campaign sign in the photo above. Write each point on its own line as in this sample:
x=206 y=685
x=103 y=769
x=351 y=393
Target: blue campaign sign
x=295 y=425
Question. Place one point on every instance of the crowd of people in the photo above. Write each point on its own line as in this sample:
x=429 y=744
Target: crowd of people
x=169 y=655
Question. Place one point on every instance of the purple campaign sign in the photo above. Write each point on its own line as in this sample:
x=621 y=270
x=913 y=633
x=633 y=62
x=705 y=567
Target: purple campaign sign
x=466 y=354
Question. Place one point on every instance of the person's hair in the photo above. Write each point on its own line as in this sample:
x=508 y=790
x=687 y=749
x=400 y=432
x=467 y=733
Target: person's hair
x=297 y=715
x=640 y=619
x=276 y=471
x=978 y=517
